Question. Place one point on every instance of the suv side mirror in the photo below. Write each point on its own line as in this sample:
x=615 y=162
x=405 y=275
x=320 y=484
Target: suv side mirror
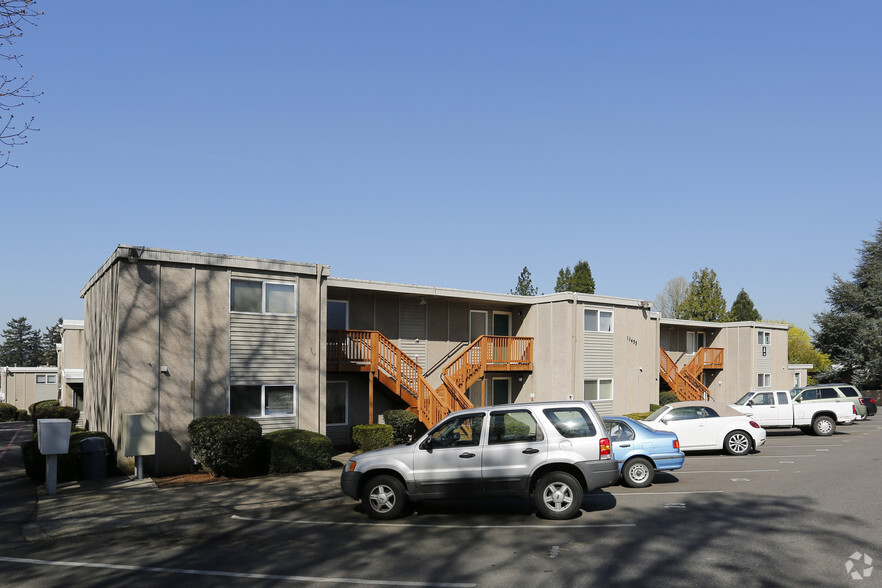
x=427 y=444
x=750 y=403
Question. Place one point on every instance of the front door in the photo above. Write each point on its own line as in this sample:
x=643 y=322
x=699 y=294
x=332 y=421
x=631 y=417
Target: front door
x=448 y=463
x=501 y=391
x=515 y=448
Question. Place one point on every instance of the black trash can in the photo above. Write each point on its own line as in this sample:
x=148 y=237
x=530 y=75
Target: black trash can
x=93 y=458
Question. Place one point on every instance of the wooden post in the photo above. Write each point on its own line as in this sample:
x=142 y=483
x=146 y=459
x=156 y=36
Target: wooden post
x=483 y=391
x=371 y=399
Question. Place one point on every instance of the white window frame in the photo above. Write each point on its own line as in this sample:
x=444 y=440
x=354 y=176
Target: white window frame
x=263 y=387
x=599 y=312
x=612 y=394
x=345 y=404
x=46 y=379
x=764 y=338
x=263 y=301
x=763 y=380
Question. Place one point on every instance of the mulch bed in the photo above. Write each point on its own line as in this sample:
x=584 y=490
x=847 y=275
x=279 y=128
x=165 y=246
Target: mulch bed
x=198 y=477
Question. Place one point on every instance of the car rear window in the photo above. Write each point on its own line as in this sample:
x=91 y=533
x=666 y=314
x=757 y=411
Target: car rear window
x=571 y=422
x=827 y=393
x=513 y=426
x=849 y=391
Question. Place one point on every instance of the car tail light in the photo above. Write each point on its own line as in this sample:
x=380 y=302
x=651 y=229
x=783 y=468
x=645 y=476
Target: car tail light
x=605 y=449
x=853 y=409
x=864 y=401
x=755 y=425
x=676 y=444
x=873 y=400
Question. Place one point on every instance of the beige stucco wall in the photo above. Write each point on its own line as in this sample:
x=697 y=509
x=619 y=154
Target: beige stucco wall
x=20 y=387
x=158 y=341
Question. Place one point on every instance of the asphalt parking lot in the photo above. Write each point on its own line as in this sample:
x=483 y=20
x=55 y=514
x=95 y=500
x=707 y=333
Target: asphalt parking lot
x=802 y=511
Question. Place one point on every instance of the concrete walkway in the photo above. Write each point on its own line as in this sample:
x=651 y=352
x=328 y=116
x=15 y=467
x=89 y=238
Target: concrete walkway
x=94 y=506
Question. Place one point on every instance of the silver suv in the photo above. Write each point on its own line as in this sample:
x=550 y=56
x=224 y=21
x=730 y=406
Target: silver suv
x=555 y=451
x=832 y=393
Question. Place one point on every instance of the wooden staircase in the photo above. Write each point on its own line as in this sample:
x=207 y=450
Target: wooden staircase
x=686 y=382
x=372 y=352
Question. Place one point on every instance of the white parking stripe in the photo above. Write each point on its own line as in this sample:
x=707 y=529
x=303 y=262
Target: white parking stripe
x=322 y=580
x=424 y=525
x=725 y=471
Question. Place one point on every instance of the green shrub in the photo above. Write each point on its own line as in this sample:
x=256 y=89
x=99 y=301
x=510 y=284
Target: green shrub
x=69 y=463
x=8 y=412
x=21 y=415
x=296 y=450
x=226 y=445
x=404 y=425
x=638 y=416
x=57 y=412
x=667 y=397
x=37 y=405
x=368 y=437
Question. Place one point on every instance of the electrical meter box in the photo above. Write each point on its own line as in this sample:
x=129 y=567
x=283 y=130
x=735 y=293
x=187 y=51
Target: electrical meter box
x=139 y=434
x=53 y=436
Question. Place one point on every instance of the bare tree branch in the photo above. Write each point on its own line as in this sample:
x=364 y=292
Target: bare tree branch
x=14 y=90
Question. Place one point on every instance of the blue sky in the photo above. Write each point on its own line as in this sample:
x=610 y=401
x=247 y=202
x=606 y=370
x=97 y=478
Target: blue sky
x=452 y=143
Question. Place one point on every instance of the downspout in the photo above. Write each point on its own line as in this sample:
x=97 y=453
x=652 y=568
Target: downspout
x=193 y=352
x=576 y=371
x=158 y=367
x=318 y=345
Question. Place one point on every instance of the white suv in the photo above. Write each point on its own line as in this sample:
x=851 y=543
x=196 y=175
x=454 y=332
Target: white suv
x=555 y=451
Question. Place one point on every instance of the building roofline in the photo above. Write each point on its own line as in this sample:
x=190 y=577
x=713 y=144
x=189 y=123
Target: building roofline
x=133 y=254
x=435 y=291
x=723 y=325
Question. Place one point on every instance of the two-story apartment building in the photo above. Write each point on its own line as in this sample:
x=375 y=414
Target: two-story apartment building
x=183 y=334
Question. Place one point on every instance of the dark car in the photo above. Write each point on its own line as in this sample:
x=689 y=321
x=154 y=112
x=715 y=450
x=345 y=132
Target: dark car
x=870 y=403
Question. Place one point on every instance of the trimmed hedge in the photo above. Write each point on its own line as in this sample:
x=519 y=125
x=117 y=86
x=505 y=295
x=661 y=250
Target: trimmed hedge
x=69 y=463
x=226 y=445
x=667 y=397
x=296 y=450
x=8 y=412
x=368 y=437
x=56 y=412
x=404 y=425
x=37 y=406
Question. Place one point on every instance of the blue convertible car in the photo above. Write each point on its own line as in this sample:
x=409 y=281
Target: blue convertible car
x=640 y=450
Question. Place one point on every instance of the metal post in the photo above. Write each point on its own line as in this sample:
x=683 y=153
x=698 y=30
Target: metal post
x=51 y=473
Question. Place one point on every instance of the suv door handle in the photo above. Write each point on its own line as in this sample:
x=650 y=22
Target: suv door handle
x=530 y=450
x=467 y=455
x=625 y=445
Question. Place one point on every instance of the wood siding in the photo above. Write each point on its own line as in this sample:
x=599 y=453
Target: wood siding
x=263 y=349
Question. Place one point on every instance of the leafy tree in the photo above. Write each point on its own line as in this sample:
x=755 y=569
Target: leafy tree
x=850 y=332
x=669 y=300
x=22 y=344
x=14 y=90
x=51 y=337
x=704 y=299
x=743 y=309
x=525 y=285
x=578 y=279
x=801 y=350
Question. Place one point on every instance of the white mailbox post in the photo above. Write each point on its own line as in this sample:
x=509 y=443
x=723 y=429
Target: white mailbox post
x=139 y=438
x=53 y=439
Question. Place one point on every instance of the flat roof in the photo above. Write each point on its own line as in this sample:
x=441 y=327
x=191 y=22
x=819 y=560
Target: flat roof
x=135 y=253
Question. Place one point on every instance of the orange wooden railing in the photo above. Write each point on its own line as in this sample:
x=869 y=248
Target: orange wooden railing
x=686 y=382
x=371 y=351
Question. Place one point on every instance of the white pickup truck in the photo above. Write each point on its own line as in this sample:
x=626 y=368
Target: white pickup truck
x=775 y=409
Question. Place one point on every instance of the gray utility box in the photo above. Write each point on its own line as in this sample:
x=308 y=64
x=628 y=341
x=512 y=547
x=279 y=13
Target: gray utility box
x=53 y=436
x=93 y=458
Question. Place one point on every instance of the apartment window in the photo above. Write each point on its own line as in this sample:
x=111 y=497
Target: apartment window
x=796 y=380
x=764 y=380
x=263 y=297
x=599 y=389
x=337 y=404
x=46 y=378
x=599 y=321
x=764 y=337
x=262 y=400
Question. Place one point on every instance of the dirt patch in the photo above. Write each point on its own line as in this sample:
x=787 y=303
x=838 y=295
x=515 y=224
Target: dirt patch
x=199 y=477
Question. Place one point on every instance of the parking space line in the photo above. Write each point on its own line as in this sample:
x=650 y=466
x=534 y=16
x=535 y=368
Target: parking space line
x=247 y=576
x=725 y=471
x=424 y=525
x=663 y=493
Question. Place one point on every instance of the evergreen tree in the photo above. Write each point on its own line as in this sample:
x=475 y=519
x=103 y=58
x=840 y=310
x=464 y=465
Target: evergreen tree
x=525 y=285
x=51 y=337
x=851 y=331
x=704 y=300
x=578 y=279
x=22 y=344
x=743 y=309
